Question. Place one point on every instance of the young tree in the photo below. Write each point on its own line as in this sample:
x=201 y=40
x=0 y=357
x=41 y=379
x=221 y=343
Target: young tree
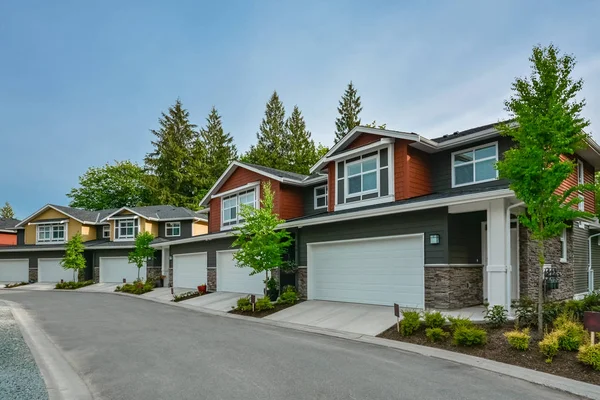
x=7 y=212
x=111 y=186
x=219 y=148
x=273 y=145
x=73 y=258
x=349 y=110
x=262 y=246
x=142 y=251
x=547 y=129
x=173 y=165
x=303 y=152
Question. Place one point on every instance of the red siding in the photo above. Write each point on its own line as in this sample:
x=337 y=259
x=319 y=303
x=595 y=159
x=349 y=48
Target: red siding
x=331 y=187
x=292 y=202
x=363 y=140
x=419 y=173
x=8 y=239
x=400 y=167
x=589 y=196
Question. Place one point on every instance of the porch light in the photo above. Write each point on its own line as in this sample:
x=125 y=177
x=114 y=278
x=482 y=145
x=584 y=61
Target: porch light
x=434 y=238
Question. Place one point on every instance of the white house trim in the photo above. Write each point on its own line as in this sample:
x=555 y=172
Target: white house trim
x=110 y=216
x=250 y=185
x=473 y=163
x=47 y=206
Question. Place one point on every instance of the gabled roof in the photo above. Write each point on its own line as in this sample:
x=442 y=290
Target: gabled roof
x=83 y=216
x=277 y=172
x=156 y=213
x=8 y=225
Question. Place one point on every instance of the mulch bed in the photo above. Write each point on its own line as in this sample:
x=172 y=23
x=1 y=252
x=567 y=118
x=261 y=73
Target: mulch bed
x=191 y=296
x=497 y=348
x=261 y=314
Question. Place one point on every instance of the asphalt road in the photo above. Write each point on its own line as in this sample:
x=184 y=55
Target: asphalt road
x=126 y=348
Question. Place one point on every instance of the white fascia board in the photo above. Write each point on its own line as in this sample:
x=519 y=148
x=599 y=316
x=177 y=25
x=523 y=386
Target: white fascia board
x=199 y=238
x=416 y=206
x=47 y=206
x=62 y=221
x=110 y=217
x=250 y=185
x=7 y=231
x=39 y=247
x=359 y=150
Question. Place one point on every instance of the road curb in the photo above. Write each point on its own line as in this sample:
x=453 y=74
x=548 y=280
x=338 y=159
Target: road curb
x=62 y=382
x=567 y=385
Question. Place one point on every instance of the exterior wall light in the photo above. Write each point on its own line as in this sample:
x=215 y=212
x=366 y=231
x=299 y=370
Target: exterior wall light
x=434 y=238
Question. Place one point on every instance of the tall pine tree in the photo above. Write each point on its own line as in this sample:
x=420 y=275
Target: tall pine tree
x=303 y=152
x=174 y=168
x=218 y=145
x=7 y=212
x=272 y=149
x=349 y=110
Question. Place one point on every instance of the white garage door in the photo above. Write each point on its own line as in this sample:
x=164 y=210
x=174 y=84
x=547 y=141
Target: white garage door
x=375 y=271
x=231 y=278
x=50 y=270
x=114 y=269
x=14 y=270
x=189 y=270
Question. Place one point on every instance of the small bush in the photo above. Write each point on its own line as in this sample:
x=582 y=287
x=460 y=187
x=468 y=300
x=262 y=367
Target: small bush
x=434 y=319
x=436 y=334
x=289 y=296
x=469 y=336
x=17 y=284
x=551 y=311
x=73 y=285
x=411 y=321
x=575 y=308
x=518 y=339
x=573 y=336
x=187 y=295
x=263 y=304
x=243 y=304
x=549 y=345
x=525 y=311
x=495 y=316
x=137 y=287
x=459 y=322
x=591 y=300
x=590 y=355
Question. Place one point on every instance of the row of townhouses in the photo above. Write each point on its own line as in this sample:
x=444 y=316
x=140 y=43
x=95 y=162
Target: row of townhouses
x=385 y=217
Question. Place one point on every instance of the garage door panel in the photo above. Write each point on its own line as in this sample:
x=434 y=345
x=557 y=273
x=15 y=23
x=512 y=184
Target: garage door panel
x=378 y=271
x=14 y=270
x=115 y=269
x=231 y=278
x=50 y=270
x=189 y=270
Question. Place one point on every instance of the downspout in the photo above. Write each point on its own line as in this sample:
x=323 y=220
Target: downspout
x=508 y=256
x=590 y=270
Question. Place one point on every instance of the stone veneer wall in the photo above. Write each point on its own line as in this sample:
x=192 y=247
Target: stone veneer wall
x=529 y=267
x=153 y=273
x=33 y=274
x=301 y=282
x=211 y=285
x=453 y=286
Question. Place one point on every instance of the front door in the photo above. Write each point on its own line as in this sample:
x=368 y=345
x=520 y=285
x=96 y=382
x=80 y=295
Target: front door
x=514 y=259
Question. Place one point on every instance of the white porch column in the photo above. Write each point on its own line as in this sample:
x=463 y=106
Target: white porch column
x=165 y=264
x=497 y=262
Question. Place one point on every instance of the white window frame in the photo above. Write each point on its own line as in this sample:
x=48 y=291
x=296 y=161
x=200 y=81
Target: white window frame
x=172 y=226
x=320 y=196
x=563 y=246
x=581 y=181
x=136 y=224
x=105 y=230
x=52 y=227
x=473 y=163
x=233 y=222
x=347 y=177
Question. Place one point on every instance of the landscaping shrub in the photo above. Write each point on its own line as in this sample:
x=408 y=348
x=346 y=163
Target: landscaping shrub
x=411 y=321
x=590 y=355
x=436 y=334
x=572 y=336
x=243 y=304
x=591 y=300
x=434 y=319
x=469 y=336
x=576 y=308
x=187 y=295
x=551 y=311
x=496 y=316
x=137 y=287
x=549 y=345
x=459 y=322
x=17 y=284
x=525 y=311
x=263 y=304
x=289 y=296
x=518 y=339
x=73 y=285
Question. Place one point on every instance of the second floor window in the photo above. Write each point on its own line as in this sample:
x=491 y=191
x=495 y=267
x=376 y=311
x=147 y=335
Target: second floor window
x=475 y=165
x=173 y=229
x=231 y=206
x=126 y=228
x=51 y=233
x=362 y=176
x=106 y=231
x=321 y=196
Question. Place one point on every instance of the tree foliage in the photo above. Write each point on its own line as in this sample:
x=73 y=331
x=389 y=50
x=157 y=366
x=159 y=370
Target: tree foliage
x=375 y=125
x=73 y=258
x=218 y=147
x=142 y=251
x=349 y=109
x=303 y=152
x=111 y=186
x=262 y=246
x=176 y=165
x=547 y=129
x=7 y=212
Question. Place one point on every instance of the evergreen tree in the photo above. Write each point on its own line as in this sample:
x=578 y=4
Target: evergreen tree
x=218 y=145
x=349 y=110
x=7 y=212
x=272 y=149
x=174 y=166
x=303 y=152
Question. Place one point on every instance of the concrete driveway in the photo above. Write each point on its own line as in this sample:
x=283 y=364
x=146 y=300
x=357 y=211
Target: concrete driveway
x=218 y=301
x=100 y=288
x=348 y=317
x=35 y=286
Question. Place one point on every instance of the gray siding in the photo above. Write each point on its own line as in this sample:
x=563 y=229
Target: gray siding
x=186 y=229
x=441 y=168
x=308 y=194
x=428 y=222
x=464 y=237
x=99 y=231
x=580 y=259
x=20 y=237
x=210 y=247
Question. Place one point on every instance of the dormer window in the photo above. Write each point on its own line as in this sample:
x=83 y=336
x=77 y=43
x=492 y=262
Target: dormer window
x=172 y=229
x=51 y=233
x=362 y=176
x=126 y=229
x=230 y=206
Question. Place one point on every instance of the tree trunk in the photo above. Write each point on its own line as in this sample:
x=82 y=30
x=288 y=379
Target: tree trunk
x=75 y=271
x=542 y=260
x=266 y=283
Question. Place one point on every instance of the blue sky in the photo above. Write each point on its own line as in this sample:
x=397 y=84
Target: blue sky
x=82 y=84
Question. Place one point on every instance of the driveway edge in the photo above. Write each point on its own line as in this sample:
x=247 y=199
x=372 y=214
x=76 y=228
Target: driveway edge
x=62 y=382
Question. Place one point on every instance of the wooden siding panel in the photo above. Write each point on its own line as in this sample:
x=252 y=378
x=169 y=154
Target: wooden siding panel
x=292 y=202
x=214 y=215
x=419 y=174
x=362 y=140
x=8 y=239
x=400 y=166
x=240 y=177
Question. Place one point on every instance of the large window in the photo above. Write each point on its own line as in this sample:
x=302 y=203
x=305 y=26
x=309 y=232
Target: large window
x=51 y=233
x=361 y=176
x=173 y=229
x=321 y=196
x=126 y=228
x=231 y=206
x=474 y=165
